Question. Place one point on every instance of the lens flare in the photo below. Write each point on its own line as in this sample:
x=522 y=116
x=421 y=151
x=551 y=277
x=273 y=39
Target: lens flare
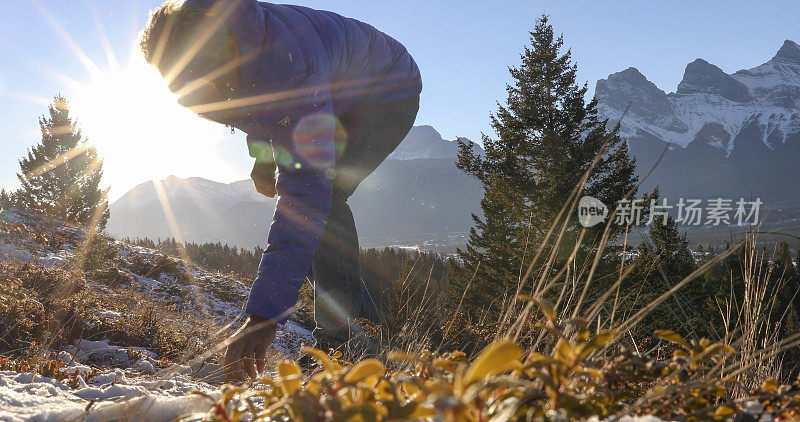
x=306 y=138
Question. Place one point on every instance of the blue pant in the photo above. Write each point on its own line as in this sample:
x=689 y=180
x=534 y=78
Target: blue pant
x=366 y=137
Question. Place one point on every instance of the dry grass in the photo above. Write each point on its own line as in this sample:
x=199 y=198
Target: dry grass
x=577 y=362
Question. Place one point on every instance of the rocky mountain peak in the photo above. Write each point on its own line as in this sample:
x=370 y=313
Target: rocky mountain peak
x=701 y=76
x=425 y=130
x=630 y=89
x=631 y=75
x=628 y=80
x=789 y=52
x=424 y=142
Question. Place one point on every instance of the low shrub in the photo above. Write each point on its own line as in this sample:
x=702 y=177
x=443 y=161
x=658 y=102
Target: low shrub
x=48 y=366
x=578 y=379
x=44 y=308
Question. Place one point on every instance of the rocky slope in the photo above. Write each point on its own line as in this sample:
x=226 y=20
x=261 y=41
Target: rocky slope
x=99 y=367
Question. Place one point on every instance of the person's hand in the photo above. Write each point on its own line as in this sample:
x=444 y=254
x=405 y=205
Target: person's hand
x=263 y=176
x=248 y=348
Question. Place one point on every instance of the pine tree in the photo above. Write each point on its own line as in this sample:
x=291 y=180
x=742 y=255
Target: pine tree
x=5 y=198
x=784 y=266
x=664 y=261
x=547 y=138
x=60 y=176
x=784 y=284
x=672 y=248
x=785 y=278
x=797 y=260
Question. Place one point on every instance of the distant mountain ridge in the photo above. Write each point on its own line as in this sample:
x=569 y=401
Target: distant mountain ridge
x=425 y=142
x=725 y=134
x=416 y=195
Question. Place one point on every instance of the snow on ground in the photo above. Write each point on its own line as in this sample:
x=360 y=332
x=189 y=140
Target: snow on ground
x=137 y=390
x=59 y=258
x=25 y=397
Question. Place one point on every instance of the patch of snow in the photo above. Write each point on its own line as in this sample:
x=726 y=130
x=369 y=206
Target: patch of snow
x=103 y=352
x=144 y=366
x=110 y=392
x=57 y=259
x=205 y=191
x=127 y=250
x=29 y=397
x=290 y=337
x=109 y=315
x=696 y=110
x=22 y=396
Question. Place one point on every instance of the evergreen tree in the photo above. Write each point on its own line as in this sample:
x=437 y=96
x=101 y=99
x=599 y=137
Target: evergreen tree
x=5 y=198
x=797 y=262
x=547 y=138
x=662 y=263
x=61 y=175
x=672 y=248
x=785 y=278
x=786 y=311
x=784 y=265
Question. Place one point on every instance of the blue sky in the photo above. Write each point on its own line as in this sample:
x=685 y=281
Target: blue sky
x=462 y=47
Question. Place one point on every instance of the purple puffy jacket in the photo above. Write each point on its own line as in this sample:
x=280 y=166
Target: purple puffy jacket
x=308 y=67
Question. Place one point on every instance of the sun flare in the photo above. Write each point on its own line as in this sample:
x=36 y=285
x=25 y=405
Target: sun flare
x=140 y=130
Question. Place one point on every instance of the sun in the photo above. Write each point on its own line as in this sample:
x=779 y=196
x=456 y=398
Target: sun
x=140 y=130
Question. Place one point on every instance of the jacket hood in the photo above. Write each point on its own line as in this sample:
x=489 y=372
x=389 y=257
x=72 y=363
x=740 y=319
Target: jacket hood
x=247 y=22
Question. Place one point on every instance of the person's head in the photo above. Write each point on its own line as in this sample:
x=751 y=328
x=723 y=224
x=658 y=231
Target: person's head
x=197 y=54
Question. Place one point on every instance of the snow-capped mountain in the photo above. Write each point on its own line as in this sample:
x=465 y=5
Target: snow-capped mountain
x=725 y=133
